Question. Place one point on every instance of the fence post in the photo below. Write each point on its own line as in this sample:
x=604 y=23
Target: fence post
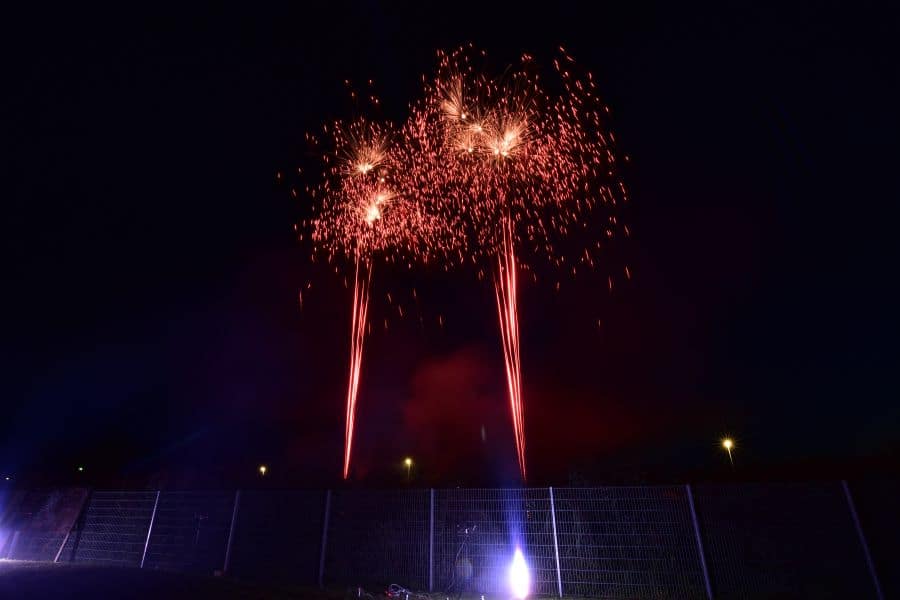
x=690 y=497
x=431 y=542
x=12 y=545
x=82 y=523
x=862 y=540
x=555 y=542
x=75 y=524
x=150 y=529
x=234 y=513
x=61 y=546
x=324 y=537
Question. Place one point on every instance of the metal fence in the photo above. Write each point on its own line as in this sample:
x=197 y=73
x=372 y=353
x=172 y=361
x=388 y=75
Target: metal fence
x=628 y=542
x=35 y=524
x=674 y=542
x=276 y=536
x=766 y=541
x=115 y=529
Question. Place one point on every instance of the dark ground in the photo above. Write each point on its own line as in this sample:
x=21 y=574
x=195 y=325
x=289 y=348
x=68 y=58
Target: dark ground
x=23 y=579
x=41 y=580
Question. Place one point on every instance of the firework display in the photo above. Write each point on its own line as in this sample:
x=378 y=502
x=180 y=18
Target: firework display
x=490 y=172
x=364 y=213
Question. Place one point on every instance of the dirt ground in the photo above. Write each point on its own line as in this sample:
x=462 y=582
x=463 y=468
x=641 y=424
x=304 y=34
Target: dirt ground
x=35 y=580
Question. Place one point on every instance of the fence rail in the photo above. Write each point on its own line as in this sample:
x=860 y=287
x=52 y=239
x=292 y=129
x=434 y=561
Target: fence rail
x=678 y=542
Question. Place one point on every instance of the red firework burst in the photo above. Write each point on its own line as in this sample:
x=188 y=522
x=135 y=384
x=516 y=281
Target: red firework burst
x=485 y=171
x=515 y=168
x=364 y=212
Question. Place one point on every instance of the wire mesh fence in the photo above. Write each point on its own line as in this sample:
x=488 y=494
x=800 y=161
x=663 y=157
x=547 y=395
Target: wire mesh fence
x=876 y=503
x=37 y=522
x=190 y=531
x=23 y=544
x=782 y=541
x=115 y=528
x=476 y=532
x=277 y=536
x=378 y=537
x=628 y=542
x=721 y=541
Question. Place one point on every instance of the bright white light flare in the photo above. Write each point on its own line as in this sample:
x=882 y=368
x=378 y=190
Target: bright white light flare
x=519 y=577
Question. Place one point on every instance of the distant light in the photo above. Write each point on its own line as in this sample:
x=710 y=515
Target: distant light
x=80 y=469
x=519 y=578
x=728 y=444
x=407 y=461
x=7 y=477
x=263 y=469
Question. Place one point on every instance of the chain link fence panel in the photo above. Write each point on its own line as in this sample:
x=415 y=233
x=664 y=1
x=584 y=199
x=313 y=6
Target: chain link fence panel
x=876 y=503
x=759 y=540
x=378 y=537
x=115 y=528
x=476 y=532
x=20 y=541
x=37 y=522
x=628 y=542
x=781 y=541
x=277 y=536
x=190 y=531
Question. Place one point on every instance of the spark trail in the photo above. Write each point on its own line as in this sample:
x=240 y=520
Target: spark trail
x=492 y=173
x=362 y=283
x=515 y=164
x=507 y=312
x=363 y=211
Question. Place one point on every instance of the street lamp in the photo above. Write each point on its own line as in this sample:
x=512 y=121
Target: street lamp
x=728 y=444
x=408 y=463
x=262 y=470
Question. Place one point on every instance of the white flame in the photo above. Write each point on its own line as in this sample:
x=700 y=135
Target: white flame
x=519 y=577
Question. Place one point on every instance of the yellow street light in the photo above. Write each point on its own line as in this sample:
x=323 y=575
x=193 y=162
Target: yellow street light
x=408 y=462
x=728 y=444
x=262 y=470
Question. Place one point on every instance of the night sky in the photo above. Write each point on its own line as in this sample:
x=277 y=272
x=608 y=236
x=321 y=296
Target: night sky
x=151 y=327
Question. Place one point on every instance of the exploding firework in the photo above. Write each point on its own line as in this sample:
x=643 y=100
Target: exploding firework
x=493 y=172
x=514 y=167
x=364 y=211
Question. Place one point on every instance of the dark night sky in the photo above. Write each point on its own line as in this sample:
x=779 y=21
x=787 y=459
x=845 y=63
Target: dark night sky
x=151 y=325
